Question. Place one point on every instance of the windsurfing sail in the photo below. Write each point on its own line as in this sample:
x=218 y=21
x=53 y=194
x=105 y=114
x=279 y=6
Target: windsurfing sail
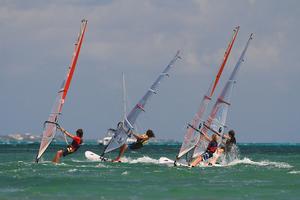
x=50 y=125
x=191 y=136
x=217 y=118
x=125 y=127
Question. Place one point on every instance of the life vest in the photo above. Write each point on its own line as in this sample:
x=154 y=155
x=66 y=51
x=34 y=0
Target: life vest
x=77 y=141
x=138 y=144
x=212 y=147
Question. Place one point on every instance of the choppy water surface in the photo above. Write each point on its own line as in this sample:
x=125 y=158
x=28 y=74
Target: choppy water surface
x=263 y=171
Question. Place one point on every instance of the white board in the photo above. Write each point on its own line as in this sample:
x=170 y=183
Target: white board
x=95 y=157
x=167 y=161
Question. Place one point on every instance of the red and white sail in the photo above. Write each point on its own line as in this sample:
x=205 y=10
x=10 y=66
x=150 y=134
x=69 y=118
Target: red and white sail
x=191 y=136
x=50 y=128
x=216 y=121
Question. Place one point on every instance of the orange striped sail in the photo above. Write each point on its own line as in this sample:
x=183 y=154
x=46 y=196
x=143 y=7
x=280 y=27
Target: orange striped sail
x=191 y=136
x=216 y=121
x=50 y=125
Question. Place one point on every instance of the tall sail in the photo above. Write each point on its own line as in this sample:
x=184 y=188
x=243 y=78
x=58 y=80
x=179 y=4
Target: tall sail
x=124 y=128
x=50 y=128
x=217 y=118
x=191 y=136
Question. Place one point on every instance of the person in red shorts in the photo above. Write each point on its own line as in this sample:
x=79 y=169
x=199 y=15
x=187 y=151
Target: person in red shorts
x=74 y=146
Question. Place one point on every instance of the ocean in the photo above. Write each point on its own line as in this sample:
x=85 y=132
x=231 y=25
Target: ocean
x=262 y=171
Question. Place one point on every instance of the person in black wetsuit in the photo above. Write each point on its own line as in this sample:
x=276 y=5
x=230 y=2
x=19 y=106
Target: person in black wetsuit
x=210 y=150
x=141 y=139
x=226 y=146
x=74 y=146
x=230 y=140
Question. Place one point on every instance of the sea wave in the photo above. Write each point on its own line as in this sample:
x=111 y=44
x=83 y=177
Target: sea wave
x=125 y=173
x=260 y=163
x=72 y=170
x=244 y=161
x=144 y=159
x=294 y=172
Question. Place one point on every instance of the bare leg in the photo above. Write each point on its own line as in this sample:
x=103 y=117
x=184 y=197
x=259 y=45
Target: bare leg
x=121 y=153
x=57 y=156
x=214 y=159
x=196 y=161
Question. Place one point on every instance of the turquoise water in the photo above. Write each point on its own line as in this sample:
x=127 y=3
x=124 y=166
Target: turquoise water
x=265 y=171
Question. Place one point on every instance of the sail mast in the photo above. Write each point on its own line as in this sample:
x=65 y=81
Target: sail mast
x=75 y=57
x=226 y=55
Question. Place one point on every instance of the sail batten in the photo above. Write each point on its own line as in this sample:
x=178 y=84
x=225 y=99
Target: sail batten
x=50 y=128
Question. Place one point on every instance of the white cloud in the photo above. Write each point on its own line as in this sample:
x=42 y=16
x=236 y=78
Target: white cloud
x=266 y=51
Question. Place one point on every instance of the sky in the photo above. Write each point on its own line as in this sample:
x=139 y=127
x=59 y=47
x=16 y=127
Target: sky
x=139 y=38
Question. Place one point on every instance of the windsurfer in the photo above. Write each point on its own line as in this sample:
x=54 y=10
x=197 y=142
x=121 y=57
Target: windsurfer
x=190 y=139
x=210 y=150
x=141 y=139
x=230 y=140
x=226 y=147
x=74 y=146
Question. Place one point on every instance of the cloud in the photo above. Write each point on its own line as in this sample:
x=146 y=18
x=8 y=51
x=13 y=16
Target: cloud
x=266 y=51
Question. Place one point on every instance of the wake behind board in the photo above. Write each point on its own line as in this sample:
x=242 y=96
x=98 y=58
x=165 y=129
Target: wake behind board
x=95 y=157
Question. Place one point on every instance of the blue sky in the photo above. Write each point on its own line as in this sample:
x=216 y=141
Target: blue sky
x=139 y=38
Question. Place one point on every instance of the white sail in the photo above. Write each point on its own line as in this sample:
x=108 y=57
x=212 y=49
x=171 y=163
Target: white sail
x=216 y=121
x=191 y=136
x=50 y=125
x=123 y=130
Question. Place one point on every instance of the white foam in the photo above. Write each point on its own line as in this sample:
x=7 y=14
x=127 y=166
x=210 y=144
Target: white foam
x=60 y=164
x=124 y=173
x=100 y=165
x=245 y=161
x=72 y=170
x=144 y=159
x=260 y=163
x=294 y=172
x=79 y=161
x=11 y=190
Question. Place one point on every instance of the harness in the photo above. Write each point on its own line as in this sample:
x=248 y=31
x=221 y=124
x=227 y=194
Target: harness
x=138 y=144
x=77 y=141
